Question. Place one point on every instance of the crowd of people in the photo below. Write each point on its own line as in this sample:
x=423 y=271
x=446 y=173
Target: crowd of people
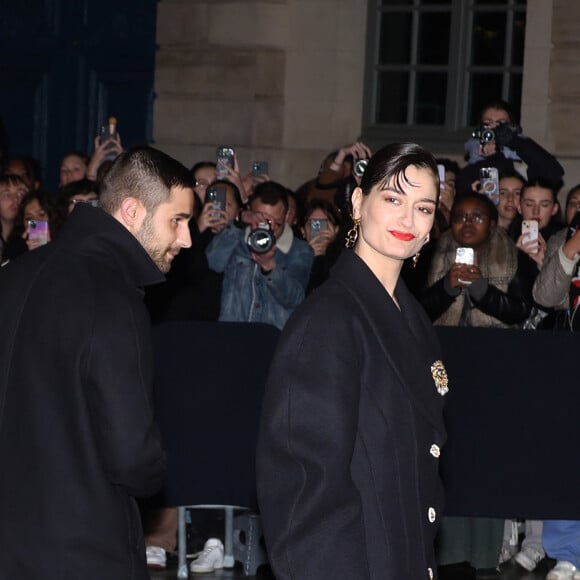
x=502 y=253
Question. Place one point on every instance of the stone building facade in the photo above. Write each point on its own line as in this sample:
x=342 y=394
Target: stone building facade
x=283 y=81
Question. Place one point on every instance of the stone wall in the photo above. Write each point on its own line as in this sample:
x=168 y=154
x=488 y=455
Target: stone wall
x=282 y=80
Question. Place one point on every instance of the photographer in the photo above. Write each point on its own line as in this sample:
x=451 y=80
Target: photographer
x=499 y=142
x=266 y=268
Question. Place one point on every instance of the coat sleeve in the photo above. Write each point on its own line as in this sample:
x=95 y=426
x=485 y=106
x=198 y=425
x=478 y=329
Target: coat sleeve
x=120 y=394
x=309 y=505
x=287 y=282
x=552 y=285
x=222 y=247
x=513 y=306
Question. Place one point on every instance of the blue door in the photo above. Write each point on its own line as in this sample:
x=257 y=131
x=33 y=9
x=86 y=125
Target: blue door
x=66 y=66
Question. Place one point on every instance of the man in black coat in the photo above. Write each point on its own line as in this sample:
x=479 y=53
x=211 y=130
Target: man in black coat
x=77 y=434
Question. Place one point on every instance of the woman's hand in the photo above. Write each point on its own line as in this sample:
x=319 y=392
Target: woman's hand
x=101 y=151
x=320 y=242
x=463 y=275
x=233 y=175
x=211 y=217
x=535 y=249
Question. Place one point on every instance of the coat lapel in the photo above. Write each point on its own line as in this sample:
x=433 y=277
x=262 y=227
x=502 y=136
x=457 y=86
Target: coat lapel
x=406 y=337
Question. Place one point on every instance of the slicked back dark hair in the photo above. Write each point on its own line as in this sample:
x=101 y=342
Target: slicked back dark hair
x=543 y=183
x=391 y=163
x=144 y=173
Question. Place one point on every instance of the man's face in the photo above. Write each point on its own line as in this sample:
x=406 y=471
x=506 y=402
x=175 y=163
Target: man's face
x=275 y=214
x=165 y=231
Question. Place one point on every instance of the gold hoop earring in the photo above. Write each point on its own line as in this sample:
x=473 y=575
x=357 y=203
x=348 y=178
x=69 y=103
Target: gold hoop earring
x=352 y=234
x=416 y=259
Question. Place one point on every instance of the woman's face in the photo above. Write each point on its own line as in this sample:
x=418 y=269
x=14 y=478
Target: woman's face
x=509 y=197
x=471 y=223
x=316 y=214
x=537 y=203
x=232 y=206
x=33 y=211
x=395 y=223
x=203 y=178
x=10 y=198
x=492 y=117
x=72 y=168
x=573 y=206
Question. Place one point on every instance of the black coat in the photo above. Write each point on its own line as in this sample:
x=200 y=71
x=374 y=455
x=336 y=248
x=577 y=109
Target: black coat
x=77 y=435
x=352 y=425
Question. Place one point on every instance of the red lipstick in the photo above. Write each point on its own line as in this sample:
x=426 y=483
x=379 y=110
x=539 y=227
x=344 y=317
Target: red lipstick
x=402 y=235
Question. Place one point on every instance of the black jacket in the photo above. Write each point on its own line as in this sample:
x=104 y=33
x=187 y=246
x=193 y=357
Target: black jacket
x=350 y=435
x=77 y=434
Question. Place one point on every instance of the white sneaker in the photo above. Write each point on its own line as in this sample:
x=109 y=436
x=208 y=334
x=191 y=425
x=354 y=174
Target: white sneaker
x=212 y=557
x=156 y=557
x=507 y=553
x=529 y=558
x=562 y=571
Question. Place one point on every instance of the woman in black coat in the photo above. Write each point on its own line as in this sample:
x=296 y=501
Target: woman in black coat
x=352 y=423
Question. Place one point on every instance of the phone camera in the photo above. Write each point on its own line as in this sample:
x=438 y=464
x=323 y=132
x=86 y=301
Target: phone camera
x=262 y=239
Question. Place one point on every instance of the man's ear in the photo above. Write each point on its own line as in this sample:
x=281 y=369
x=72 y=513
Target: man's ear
x=356 y=200
x=131 y=213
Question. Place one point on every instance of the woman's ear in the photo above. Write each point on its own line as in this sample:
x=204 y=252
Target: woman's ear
x=356 y=200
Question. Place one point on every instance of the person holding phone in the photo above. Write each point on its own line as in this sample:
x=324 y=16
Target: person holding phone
x=352 y=426
x=492 y=291
x=321 y=229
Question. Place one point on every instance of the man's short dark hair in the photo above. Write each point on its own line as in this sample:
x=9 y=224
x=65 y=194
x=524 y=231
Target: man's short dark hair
x=144 y=173
x=271 y=193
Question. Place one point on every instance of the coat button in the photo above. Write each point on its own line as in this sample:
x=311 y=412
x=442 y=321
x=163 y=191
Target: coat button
x=430 y=572
x=435 y=451
x=431 y=514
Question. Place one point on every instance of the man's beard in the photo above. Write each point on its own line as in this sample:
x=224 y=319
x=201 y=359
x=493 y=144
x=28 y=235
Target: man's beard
x=146 y=236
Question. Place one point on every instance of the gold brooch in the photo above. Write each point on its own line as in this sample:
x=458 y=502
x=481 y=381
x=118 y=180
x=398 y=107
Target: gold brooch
x=440 y=377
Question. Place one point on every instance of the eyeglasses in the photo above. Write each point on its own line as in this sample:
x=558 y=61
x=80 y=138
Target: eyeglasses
x=477 y=218
x=201 y=183
x=93 y=202
x=12 y=196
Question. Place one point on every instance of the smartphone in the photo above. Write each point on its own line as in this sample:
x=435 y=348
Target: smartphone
x=465 y=256
x=489 y=183
x=216 y=195
x=259 y=168
x=530 y=230
x=38 y=231
x=441 y=171
x=108 y=132
x=224 y=155
x=317 y=226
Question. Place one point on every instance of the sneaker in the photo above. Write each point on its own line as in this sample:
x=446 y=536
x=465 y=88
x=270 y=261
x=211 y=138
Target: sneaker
x=156 y=557
x=562 y=571
x=528 y=558
x=507 y=553
x=212 y=557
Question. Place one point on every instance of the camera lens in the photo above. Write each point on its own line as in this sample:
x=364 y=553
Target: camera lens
x=360 y=167
x=261 y=240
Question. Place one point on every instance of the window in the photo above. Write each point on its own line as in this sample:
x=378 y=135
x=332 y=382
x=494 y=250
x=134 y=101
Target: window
x=433 y=64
